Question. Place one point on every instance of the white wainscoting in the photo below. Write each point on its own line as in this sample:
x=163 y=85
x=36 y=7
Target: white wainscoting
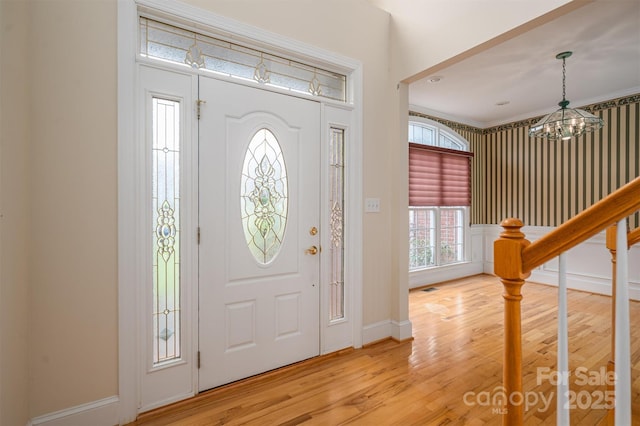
x=588 y=264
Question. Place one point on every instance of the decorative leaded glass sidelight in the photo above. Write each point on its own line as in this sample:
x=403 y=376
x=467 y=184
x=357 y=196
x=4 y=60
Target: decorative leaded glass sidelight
x=264 y=196
x=336 y=222
x=166 y=229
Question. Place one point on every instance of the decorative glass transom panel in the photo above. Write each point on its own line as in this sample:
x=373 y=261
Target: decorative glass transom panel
x=165 y=191
x=180 y=46
x=336 y=222
x=264 y=196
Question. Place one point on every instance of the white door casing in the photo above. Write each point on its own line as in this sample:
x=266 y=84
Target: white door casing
x=133 y=169
x=256 y=314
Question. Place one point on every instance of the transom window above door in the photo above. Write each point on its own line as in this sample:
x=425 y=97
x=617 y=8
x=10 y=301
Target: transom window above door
x=180 y=46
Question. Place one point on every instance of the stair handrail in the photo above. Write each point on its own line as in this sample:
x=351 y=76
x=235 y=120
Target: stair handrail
x=515 y=257
x=609 y=210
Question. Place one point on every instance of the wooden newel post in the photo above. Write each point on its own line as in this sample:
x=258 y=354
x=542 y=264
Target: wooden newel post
x=507 y=255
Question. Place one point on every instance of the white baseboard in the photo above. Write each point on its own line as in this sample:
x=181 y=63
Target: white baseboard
x=385 y=329
x=377 y=331
x=401 y=330
x=103 y=412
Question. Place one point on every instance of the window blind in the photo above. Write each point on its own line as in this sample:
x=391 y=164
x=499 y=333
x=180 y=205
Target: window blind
x=439 y=176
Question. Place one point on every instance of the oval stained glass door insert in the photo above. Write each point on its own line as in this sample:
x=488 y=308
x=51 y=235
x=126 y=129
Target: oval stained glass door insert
x=264 y=196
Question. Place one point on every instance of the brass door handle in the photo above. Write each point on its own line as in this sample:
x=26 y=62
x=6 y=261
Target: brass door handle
x=313 y=250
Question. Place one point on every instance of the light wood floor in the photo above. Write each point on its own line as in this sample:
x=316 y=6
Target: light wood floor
x=440 y=378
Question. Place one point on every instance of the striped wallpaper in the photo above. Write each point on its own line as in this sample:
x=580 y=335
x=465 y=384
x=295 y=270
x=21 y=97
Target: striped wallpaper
x=544 y=183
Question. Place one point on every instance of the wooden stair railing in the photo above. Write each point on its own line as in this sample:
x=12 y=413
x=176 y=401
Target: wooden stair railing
x=515 y=257
x=633 y=237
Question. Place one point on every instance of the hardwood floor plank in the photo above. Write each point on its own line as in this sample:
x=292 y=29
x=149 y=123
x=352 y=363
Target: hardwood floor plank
x=448 y=375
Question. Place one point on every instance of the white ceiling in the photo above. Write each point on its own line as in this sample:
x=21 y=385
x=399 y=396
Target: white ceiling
x=604 y=37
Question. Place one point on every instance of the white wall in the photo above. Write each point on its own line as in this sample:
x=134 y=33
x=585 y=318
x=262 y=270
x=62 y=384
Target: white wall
x=72 y=165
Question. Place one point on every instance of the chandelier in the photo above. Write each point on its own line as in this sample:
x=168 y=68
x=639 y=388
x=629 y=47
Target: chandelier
x=565 y=123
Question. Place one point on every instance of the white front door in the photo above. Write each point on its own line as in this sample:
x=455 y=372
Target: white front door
x=259 y=245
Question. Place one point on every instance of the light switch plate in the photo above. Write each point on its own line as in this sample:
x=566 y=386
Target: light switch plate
x=372 y=205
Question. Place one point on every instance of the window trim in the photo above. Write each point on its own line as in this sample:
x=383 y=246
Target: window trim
x=440 y=129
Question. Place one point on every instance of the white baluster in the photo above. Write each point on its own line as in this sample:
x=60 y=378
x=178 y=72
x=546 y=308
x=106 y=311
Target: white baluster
x=562 y=408
x=622 y=348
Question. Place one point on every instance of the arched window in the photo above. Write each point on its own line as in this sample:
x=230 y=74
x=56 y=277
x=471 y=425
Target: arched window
x=439 y=195
x=434 y=134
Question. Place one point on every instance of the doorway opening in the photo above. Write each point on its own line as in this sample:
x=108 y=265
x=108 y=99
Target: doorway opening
x=146 y=384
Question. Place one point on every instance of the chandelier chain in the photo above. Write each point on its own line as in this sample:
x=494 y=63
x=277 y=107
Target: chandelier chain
x=563 y=79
